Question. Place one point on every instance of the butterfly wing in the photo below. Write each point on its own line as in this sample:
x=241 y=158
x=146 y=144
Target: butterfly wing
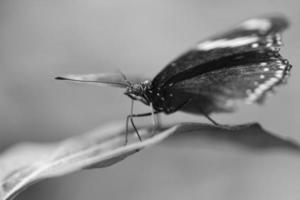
x=248 y=77
x=254 y=34
x=111 y=79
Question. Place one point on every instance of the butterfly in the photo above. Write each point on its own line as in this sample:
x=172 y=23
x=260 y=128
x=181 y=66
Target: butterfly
x=241 y=64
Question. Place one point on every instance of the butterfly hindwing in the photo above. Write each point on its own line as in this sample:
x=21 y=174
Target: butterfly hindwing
x=255 y=34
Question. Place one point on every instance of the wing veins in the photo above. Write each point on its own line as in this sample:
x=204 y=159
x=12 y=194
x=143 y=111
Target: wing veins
x=221 y=63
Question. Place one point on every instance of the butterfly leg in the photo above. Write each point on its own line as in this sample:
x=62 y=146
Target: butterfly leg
x=130 y=117
x=178 y=107
x=158 y=121
x=226 y=127
x=211 y=120
x=207 y=116
x=155 y=119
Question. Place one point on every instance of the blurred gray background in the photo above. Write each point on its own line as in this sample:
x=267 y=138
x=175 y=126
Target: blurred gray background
x=41 y=39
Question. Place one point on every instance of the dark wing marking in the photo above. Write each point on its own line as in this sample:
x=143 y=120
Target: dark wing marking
x=247 y=77
x=254 y=34
x=113 y=79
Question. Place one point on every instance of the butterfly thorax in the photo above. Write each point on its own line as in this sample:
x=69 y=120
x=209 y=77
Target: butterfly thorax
x=140 y=92
x=149 y=95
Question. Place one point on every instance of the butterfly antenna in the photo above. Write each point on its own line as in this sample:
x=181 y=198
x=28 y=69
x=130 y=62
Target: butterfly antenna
x=124 y=77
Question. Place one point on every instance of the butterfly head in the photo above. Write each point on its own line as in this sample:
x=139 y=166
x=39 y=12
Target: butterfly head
x=139 y=91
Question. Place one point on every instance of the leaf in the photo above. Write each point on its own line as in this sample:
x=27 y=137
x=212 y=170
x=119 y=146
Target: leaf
x=28 y=163
x=251 y=136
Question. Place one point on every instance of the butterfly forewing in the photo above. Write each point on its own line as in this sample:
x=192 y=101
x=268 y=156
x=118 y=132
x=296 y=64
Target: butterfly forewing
x=248 y=77
x=258 y=26
x=255 y=34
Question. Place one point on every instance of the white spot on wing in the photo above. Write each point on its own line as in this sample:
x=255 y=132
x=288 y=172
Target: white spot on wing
x=267 y=83
x=282 y=66
x=257 y=24
x=226 y=43
x=262 y=88
x=263 y=64
x=269 y=45
x=279 y=74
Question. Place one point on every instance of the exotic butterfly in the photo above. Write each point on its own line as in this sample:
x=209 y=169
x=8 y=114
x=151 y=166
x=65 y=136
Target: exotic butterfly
x=240 y=64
